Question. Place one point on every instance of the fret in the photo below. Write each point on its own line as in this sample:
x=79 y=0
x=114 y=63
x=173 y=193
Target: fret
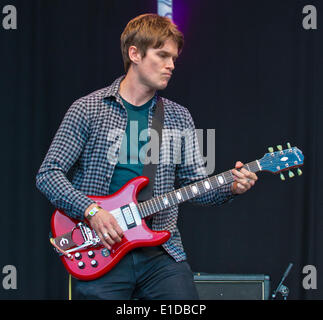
x=161 y=203
x=211 y=187
x=142 y=209
x=141 y=212
x=195 y=189
x=206 y=185
x=202 y=186
x=165 y=200
x=179 y=195
x=254 y=166
x=258 y=166
x=147 y=208
x=214 y=182
x=188 y=197
x=150 y=208
x=189 y=191
x=232 y=175
x=250 y=166
x=151 y=202
x=171 y=194
x=155 y=202
x=220 y=179
x=170 y=200
x=228 y=176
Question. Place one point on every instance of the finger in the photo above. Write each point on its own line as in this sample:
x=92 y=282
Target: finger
x=241 y=187
x=114 y=235
x=243 y=173
x=248 y=174
x=104 y=242
x=238 y=165
x=107 y=238
x=246 y=183
x=117 y=228
x=254 y=176
x=237 y=173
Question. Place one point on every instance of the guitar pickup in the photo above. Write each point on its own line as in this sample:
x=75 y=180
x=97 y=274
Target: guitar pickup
x=128 y=217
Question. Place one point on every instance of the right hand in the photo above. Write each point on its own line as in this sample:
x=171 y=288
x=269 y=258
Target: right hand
x=106 y=227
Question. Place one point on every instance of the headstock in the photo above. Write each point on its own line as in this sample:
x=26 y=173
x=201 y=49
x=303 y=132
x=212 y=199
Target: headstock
x=282 y=160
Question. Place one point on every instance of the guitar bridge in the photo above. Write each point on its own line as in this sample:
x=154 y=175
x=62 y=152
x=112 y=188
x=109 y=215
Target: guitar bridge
x=64 y=244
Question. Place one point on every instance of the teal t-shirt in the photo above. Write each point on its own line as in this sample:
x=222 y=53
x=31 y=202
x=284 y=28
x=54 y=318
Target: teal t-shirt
x=135 y=138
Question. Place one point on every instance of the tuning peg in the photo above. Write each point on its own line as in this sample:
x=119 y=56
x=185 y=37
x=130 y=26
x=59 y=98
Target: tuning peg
x=279 y=147
x=271 y=149
x=288 y=145
x=299 y=172
x=291 y=174
x=282 y=177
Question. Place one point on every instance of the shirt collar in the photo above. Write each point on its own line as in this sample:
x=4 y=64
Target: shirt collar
x=113 y=91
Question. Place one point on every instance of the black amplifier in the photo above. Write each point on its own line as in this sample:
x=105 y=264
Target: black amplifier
x=232 y=286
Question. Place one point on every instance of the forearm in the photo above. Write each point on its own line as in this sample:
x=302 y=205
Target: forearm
x=64 y=151
x=60 y=192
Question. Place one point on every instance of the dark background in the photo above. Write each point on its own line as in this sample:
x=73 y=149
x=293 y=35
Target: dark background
x=248 y=69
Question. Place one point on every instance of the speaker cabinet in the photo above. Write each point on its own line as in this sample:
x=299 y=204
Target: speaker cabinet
x=232 y=286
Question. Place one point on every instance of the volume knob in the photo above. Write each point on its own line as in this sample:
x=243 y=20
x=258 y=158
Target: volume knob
x=91 y=254
x=78 y=256
x=81 y=264
x=94 y=263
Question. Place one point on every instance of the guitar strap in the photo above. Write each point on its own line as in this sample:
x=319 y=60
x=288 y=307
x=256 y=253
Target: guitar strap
x=149 y=169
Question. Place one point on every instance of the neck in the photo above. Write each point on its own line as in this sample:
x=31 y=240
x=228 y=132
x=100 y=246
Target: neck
x=134 y=91
x=159 y=203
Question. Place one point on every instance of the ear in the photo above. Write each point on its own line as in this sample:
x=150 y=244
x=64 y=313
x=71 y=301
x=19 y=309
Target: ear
x=134 y=54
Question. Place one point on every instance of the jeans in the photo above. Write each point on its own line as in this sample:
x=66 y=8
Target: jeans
x=144 y=273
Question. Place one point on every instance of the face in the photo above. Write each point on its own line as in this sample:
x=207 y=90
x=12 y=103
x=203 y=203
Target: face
x=155 y=69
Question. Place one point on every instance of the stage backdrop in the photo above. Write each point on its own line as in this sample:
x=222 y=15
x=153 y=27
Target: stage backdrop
x=249 y=70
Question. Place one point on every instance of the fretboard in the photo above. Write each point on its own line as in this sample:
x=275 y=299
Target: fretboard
x=167 y=200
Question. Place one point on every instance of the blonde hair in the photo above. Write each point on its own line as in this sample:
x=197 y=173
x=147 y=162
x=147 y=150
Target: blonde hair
x=148 y=31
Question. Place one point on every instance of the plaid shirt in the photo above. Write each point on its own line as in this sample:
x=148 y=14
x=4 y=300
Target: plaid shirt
x=81 y=147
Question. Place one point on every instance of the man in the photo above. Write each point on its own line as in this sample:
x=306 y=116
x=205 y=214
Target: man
x=150 y=45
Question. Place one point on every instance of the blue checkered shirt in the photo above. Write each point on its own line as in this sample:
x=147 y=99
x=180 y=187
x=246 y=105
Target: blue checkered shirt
x=81 y=146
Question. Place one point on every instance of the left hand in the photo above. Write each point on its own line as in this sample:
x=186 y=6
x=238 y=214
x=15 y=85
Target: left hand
x=244 y=179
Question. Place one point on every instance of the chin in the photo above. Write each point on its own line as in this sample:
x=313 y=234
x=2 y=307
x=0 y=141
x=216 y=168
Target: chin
x=157 y=85
x=162 y=85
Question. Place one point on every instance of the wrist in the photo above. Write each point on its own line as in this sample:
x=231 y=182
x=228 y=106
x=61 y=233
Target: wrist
x=91 y=211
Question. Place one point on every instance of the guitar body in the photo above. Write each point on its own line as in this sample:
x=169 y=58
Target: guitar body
x=102 y=260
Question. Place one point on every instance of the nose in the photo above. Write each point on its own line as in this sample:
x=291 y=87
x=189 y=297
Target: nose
x=170 y=64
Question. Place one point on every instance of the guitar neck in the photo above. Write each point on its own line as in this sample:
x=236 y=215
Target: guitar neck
x=167 y=200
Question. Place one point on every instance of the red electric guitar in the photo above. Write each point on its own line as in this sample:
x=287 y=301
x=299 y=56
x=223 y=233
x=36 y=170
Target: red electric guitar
x=80 y=248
